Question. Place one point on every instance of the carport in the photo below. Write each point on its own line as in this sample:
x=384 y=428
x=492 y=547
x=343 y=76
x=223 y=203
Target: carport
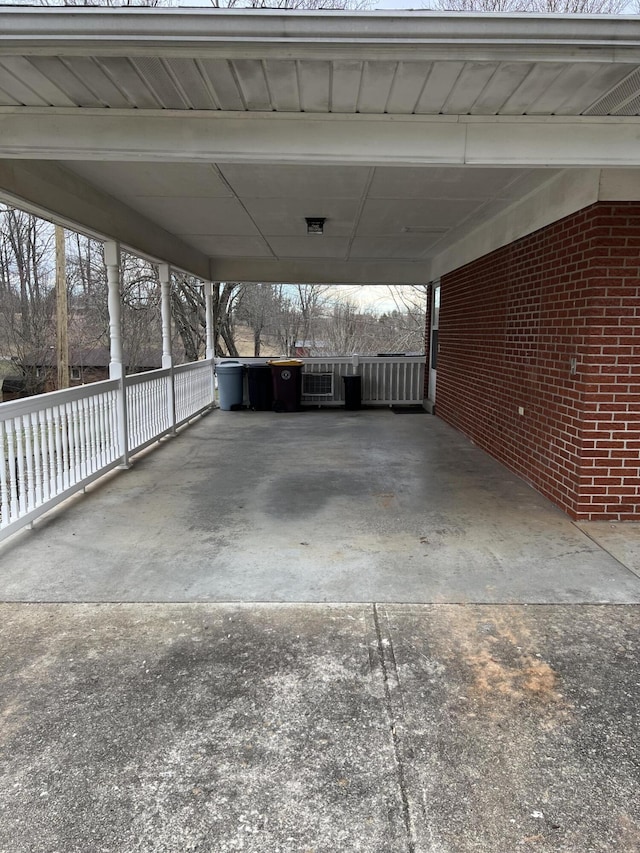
x=493 y=156
x=179 y=668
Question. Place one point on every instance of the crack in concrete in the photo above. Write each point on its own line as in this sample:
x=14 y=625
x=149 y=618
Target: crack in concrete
x=387 y=662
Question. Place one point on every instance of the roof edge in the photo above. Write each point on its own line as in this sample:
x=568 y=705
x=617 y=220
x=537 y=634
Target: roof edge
x=36 y=27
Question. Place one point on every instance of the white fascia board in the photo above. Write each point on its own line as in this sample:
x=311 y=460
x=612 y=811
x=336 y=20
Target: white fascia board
x=298 y=34
x=52 y=192
x=320 y=271
x=294 y=138
x=561 y=196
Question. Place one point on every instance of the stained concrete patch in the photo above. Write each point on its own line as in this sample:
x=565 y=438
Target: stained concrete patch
x=315 y=729
x=519 y=726
x=168 y=728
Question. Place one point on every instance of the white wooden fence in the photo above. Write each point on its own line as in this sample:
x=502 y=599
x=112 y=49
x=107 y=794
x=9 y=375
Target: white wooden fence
x=386 y=380
x=56 y=444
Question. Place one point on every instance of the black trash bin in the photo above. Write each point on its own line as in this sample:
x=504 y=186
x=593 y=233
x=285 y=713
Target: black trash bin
x=287 y=384
x=352 y=392
x=260 y=381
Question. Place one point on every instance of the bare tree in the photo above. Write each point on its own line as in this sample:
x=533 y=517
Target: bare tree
x=611 y=7
x=257 y=307
x=188 y=309
x=27 y=299
x=113 y=3
x=326 y=5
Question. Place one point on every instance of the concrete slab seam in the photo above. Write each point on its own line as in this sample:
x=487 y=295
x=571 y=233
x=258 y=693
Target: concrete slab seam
x=388 y=668
x=606 y=550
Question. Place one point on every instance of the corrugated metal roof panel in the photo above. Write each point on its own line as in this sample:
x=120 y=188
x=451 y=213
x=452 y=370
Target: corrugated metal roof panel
x=375 y=87
x=507 y=78
x=17 y=90
x=160 y=82
x=37 y=81
x=441 y=80
x=192 y=84
x=468 y=87
x=315 y=85
x=572 y=78
x=407 y=87
x=345 y=86
x=130 y=82
x=98 y=82
x=223 y=83
x=535 y=84
x=251 y=79
x=282 y=78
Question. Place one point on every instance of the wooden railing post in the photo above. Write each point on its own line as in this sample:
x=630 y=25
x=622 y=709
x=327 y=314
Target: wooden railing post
x=116 y=364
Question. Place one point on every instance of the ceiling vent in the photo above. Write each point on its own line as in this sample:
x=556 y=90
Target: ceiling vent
x=622 y=100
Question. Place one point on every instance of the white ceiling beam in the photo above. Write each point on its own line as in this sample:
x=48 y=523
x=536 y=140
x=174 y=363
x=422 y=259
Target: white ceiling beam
x=301 y=271
x=167 y=136
x=54 y=193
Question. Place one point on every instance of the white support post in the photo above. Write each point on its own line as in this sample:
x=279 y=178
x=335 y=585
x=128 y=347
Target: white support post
x=208 y=303
x=116 y=364
x=210 y=351
x=164 y=272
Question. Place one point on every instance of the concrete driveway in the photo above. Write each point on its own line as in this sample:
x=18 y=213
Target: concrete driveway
x=475 y=689
x=289 y=728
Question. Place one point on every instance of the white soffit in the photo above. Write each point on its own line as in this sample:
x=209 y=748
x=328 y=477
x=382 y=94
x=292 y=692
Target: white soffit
x=368 y=63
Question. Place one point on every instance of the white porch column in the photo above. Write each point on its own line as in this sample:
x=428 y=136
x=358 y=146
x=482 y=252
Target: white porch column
x=164 y=272
x=210 y=351
x=116 y=364
x=208 y=310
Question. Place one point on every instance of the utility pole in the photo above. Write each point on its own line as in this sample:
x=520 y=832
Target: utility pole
x=62 y=312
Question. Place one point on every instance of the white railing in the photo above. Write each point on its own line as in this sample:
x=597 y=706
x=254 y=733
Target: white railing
x=386 y=380
x=56 y=444
x=149 y=415
x=194 y=389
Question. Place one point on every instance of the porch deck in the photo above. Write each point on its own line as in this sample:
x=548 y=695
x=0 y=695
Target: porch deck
x=321 y=506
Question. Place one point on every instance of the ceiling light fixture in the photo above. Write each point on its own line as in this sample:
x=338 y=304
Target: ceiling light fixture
x=315 y=224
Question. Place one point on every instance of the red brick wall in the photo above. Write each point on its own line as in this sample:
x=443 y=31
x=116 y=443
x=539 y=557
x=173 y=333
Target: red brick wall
x=511 y=322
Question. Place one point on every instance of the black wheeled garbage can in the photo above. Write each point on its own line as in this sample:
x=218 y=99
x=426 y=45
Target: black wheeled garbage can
x=287 y=384
x=352 y=392
x=260 y=381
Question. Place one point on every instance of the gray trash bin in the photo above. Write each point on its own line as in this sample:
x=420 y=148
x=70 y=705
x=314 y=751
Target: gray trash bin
x=230 y=384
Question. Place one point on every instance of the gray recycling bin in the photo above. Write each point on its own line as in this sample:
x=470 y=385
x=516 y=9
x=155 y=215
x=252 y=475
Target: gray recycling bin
x=230 y=384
